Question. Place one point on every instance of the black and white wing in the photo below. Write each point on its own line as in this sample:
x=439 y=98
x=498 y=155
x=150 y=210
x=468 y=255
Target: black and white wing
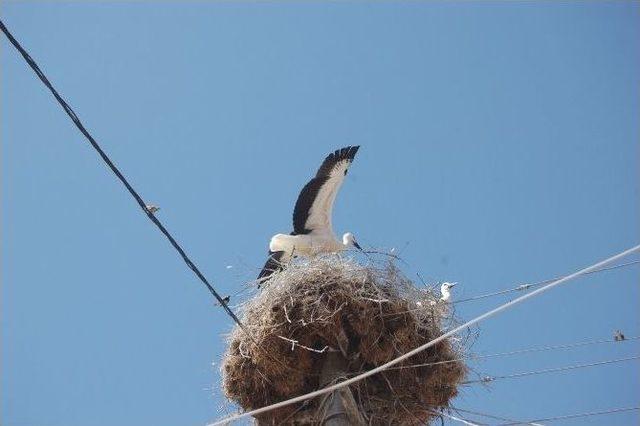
x=312 y=213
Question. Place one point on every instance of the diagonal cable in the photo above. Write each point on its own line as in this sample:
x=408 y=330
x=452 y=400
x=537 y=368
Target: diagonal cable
x=519 y=352
x=522 y=287
x=431 y=343
x=494 y=417
x=34 y=66
x=578 y=415
x=489 y=379
x=456 y=419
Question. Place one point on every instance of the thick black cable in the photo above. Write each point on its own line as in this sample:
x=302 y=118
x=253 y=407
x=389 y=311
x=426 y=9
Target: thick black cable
x=34 y=66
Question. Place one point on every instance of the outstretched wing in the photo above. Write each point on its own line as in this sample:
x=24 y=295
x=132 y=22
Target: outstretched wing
x=312 y=213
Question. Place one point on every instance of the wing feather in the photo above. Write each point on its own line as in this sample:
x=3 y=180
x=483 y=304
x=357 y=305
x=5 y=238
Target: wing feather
x=313 y=209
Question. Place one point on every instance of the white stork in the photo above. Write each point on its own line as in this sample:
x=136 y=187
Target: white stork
x=312 y=232
x=445 y=291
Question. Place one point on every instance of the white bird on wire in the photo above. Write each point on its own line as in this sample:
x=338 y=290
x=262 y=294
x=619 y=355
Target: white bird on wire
x=445 y=291
x=312 y=231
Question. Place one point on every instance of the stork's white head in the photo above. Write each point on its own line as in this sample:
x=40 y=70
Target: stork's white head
x=348 y=240
x=445 y=290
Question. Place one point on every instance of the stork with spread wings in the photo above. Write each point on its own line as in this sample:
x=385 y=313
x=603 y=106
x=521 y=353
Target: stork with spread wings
x=312 y=231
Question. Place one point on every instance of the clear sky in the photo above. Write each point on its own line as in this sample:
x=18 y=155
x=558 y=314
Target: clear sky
x=499 y=146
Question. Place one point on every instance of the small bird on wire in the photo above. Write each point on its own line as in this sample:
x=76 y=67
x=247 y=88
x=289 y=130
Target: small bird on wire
x=151 y=208
x=225 y=299
x=312 y=231
x=618 y=336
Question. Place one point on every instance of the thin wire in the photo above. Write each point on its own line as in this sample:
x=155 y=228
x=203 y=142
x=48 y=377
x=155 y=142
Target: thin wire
x=522 y=287
x=575 y=416
x=34 y=66
x=455 y=418
x=427 y=345
x=519 y=351
x=491 y=416
x=488 y=379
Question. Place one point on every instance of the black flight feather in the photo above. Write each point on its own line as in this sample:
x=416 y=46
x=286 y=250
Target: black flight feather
x=303 y=205
x=346 y=153
x=272 y=265
x=310 y=191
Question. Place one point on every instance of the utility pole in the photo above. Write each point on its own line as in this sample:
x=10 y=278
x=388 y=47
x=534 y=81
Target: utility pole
x=339 y=408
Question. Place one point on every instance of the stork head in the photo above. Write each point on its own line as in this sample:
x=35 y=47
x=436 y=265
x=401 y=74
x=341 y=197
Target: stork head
x=349 y=240
x=445 y=290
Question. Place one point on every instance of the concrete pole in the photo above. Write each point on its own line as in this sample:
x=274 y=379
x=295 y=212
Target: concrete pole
x=339 y=408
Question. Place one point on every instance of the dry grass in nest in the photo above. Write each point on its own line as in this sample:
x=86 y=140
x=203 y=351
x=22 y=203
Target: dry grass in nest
x=372 y=313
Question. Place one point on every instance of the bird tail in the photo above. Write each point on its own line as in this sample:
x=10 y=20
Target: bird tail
x=274 y=263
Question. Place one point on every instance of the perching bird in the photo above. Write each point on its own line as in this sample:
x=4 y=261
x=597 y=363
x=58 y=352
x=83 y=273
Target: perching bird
x=312 y=232
x=445 y=291
x=225 y=299
x=151 y=208
x=618 y=336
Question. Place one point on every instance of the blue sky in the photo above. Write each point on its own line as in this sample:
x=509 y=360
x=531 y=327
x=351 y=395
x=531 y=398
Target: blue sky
x=499 y=146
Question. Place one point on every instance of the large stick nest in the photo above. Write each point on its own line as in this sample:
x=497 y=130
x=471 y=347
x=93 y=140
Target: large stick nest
x=371 y=313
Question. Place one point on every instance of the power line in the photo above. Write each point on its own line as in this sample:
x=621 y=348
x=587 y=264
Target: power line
x=34 y=66
x=491 y=416
x=427 y=345
x=489 y=379
x=579 y=415
x=519 y=351
x=455 y=418
x=522 y=287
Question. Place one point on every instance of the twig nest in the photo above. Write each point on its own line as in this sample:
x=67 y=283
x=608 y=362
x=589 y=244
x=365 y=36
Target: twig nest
x=371 y=313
